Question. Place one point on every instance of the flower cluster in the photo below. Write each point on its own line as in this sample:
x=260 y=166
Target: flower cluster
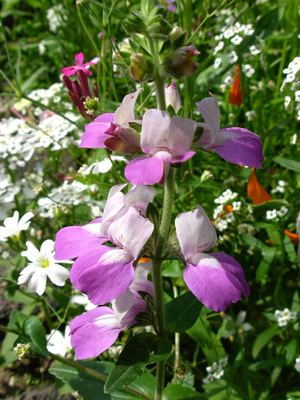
x=215 y=371
x=283 y=317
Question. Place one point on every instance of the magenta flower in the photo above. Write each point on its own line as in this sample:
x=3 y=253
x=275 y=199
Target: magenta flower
x=236 y=145
x=216 y=279
x=94 y=332
x=106 y=272
x=165 y=141
x=68 y=71
x=112 y=130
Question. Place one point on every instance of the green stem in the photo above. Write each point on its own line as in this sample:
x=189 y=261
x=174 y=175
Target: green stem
x=160 y=377
x=160 y=94
x=8 y=330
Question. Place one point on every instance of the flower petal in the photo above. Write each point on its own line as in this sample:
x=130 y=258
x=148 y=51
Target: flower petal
x=108 y=279
x=58 y=274
x=210 y=111
x=144 y=171
x=155 y=129
x=26 y=273
x=139 y=196
x=94 y=135
x=79 y=59
x=94 y=332
x=130 y=231
x=32 y=253
x=195 y=231
x=37 y=283
x=125 y=112
x=239 y=146
x=181 y=134
x=74 y=241
x=214 y=283
x=68 y=71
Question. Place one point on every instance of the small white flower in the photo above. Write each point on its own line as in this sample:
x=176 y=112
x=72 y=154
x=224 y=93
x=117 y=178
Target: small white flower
x=83 y=300
x=13 y=227
x=271 y=214
x=230 y=217
x=229 y=80
x=103 y=166
x=236 y=39
x=217 y=62
x=248 y=70
x=297 y=96
x=208 y=379
x=250 y=115
x=58 y=343
x=294 y=138
x=290 y=77
x=218 y=47
x=232 y=57
x=42 y=264
x=282 y=212
x=221 y=225
x=297 y=364
x=236 y=205
x=212 y=368
x=223 y=87
x=254 y=50
x=287 y=101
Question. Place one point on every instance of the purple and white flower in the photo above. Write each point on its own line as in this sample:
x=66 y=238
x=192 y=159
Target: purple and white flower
x=236 y=145
x=216 y=279
x=94 y=332
x=166 y=141
x=112 y=130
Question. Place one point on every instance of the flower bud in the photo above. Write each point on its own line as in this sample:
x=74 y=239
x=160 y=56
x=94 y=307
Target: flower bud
x=172 y=96
x=57 y=212
x=180 y=64
x=91 y=104
x=125 y=46
x=23 y=351
x=176 y=32
x=138 y=67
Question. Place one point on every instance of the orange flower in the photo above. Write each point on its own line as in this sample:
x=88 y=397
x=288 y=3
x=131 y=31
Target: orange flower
x=293 y=236
x=255 y=191
x=235 y=94
x=259 y=195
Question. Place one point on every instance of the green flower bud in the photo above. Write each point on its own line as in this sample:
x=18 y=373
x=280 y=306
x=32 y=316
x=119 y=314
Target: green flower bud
x=91 y=104
x=138 y=67
x=23 y=351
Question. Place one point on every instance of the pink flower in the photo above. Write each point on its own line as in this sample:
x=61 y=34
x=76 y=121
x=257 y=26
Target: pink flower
x=216 y=279
x=68 y=71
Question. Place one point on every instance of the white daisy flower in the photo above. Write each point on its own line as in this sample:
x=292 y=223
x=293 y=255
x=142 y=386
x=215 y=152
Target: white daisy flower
x=42 y=264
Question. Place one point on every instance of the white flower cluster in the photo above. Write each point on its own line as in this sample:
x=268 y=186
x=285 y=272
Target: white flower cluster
x=56 y=16
x=18 y=140
x=45 y=95
x=284 y=316
x=215 y=371
x=292 y=69
x=280 y=187
x=69 y=194
x=277 y=213
x=234 y=32
x=226 y=196
x=250 y=115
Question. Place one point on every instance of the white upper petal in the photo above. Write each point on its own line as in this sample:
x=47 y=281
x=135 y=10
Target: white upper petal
x=125 y=112
x=32 y=253
x=195 y=232
x=154 y=131
x=210 y=111
x=24 y=221
x=130 y=231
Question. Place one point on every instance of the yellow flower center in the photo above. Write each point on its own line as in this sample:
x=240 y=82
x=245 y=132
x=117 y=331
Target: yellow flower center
x=45 y=264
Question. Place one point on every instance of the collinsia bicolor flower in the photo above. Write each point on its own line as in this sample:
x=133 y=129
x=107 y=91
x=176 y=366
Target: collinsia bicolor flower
x=76 y=241
x=103 y=272
x=112 y=130
x=166 y=141
x=216 y=279
x=94 y=332
x=68 y=71
x=236 y=145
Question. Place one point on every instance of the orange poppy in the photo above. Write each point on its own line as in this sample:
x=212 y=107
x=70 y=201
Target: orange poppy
x=235 y=94
x=255 y=191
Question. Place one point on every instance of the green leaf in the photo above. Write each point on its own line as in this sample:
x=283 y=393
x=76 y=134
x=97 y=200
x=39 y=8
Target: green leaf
x=88 y=386
x=142 y=349
x=33 y=77
x=34 y=334
x=289 y=248
x=266 y=364
x=176 y=392
x=16 y=321
x=172 y=269
x=295 y=302
x=253 y=242
x=291 y=351
x=287 y=163
x=265 y=263
x=202 y=333
x=264 y=338
x=182 y=312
